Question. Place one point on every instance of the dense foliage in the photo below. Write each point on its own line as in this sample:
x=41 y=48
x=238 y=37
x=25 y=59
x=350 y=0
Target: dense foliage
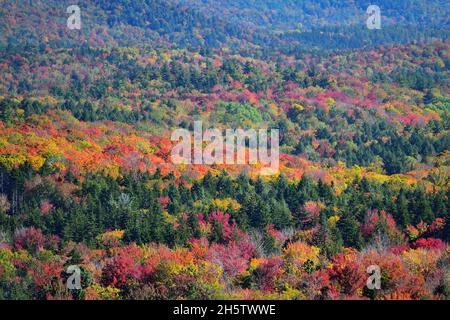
x=85 y=171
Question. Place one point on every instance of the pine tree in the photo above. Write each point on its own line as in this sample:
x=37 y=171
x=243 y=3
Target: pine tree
x=350 y=230
x=402 y=215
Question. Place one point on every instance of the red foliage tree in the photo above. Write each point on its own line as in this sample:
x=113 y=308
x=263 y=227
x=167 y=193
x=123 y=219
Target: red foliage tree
x=346 y=273
x=30 y=239
x=428 y=243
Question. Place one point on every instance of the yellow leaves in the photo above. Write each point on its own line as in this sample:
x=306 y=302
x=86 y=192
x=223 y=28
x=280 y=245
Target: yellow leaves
x=301 y=252
x=111 y=170
x=6 y=263
x=274 y=109
x=151 y=60
x=169 y=218
x=153 y=184
x=198 y=205
x=373 y=176
x=126 y=108
x=115 y=234
x=343 y=177
x=166 y=57
x=221 y=204
x=49 y=100
x=156 y=104
x=17 y=100
x=298 y=107
x=305 y=235
x=440 y=177
x=110 y=239
x=255 y=263
x=191 y=269
x=226 y=203
x=157 y=83
x=3 y=142
x=20 y=112
x=51 y=148
x=392 y=110
x=290 y=293
x=421 y=261
x=359 y=292
x=330 y=102
x=356 y=171
x=36 y=162
x=11 y=161
x=81 y=145
x=401 y=180
x=16 y=138
x=205 y=229
x=97 y=292
x=333 y=220
x=173 y=267
x=145 y=147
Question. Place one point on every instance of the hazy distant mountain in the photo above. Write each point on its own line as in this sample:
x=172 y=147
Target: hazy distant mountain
x=214 y=23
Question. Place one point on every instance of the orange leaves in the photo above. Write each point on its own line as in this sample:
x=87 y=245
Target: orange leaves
x=156 y=271
x=421 y=261
x=346 y=274
x=111 y=238
x=251 y=97
x=397 y=280
x=88 y=149
x=112 y=148
x=92 y=132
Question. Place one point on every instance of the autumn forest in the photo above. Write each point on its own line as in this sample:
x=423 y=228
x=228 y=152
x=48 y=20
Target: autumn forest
x=86 y=177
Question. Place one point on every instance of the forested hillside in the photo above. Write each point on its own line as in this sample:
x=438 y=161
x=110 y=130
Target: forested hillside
x=245 y=26
x=86 y=176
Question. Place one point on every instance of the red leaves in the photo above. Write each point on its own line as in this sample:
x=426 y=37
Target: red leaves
x=46 y=207
x=312 y=210
x=93 y=132
x=30 y=239
x=170 y=273
x=232 y=258
x=222 y=220
x=164 y=201
x=379 y=219
x=121 y=270
x=278 y=236
x=437 y=225
x=423 y=229
x=346 y=273
x=220 y=224
x=319 y=286
x=411 y=118
x=268 y=272
x=397 y=279
x=428 y=243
